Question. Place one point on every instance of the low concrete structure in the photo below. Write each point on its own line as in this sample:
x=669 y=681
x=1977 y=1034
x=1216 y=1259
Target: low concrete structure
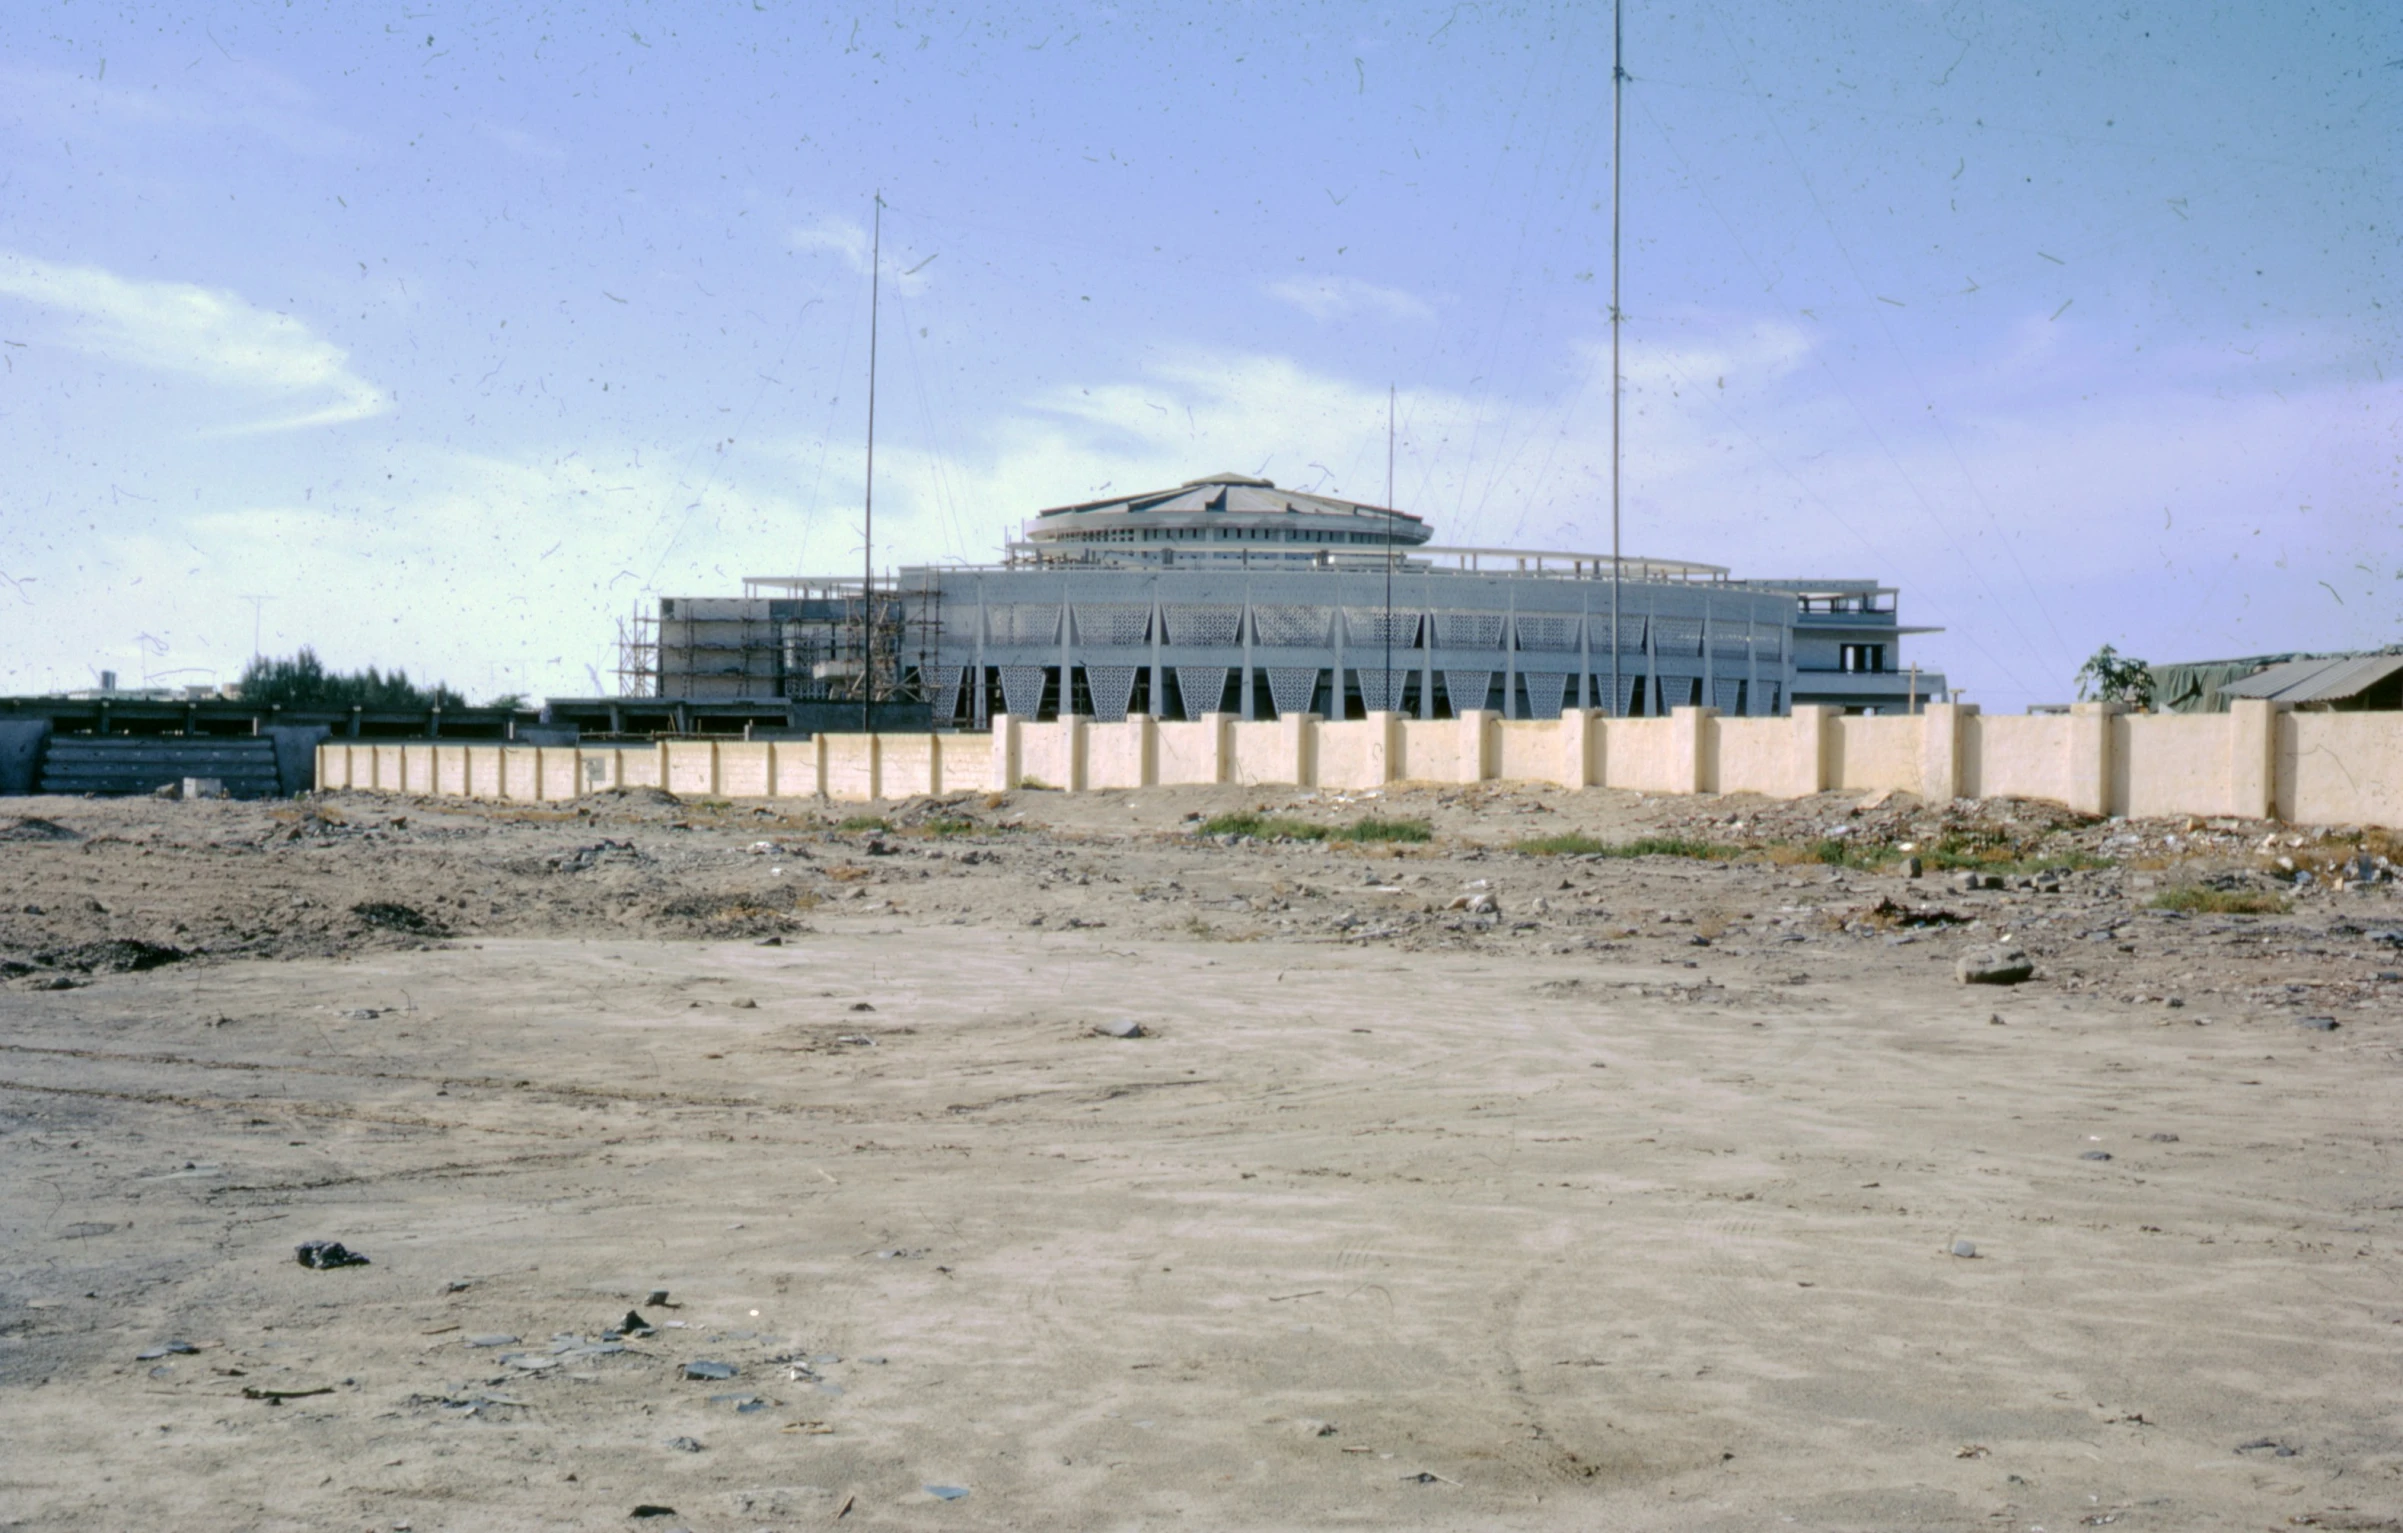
x=2255 y=761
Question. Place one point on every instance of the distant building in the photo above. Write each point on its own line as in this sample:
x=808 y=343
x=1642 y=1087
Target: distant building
x=1231 y=595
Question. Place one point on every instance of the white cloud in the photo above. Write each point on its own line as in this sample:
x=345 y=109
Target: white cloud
x=207 y=334
x=852 y=243
x=1341 y=297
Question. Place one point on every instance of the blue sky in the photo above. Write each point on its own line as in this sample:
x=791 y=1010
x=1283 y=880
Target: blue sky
x=440 y=339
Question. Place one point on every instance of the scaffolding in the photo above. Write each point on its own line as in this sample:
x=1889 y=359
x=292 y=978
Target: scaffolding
x=638 y=655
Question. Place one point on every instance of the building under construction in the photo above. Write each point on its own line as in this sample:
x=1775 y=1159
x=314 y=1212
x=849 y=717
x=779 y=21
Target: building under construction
x=1230 y=595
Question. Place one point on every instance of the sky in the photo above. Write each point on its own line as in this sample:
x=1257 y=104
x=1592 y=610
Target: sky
x=444 y=336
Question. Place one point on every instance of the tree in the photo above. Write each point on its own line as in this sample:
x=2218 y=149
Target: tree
x=303 y=682
x=2109 y=677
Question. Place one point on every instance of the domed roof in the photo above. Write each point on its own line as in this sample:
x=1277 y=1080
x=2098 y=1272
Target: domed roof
x=1239 y=507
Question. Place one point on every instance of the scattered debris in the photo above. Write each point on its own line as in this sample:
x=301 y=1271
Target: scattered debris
x=1994 y=966
x=705 y=1369
x=1965 y=1249
x=947 y=1492
x=278 y=1396
x=165 y=1349
x=685 y=1444
x=1122 y=1027
x=324 y=1254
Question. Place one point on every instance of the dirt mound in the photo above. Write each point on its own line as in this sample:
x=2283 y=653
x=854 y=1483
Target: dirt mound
x=385 y=915
x=34 y=828
x=117 y=955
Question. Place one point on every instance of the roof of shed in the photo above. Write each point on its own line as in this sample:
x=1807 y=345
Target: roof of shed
x=2317 y=681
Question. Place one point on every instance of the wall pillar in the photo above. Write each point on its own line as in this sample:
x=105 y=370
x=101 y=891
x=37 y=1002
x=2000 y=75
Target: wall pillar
x=1301 y=745
x=1941 y=727
x=1391 y=761
x=2090 y=756
x=1222 y=745
x=1576 y=748
x=1147 y=750
x=1689 y=739
x=1008 y=760
x=2252 y=758
x=1814 y=731
x=1080 y=742
x=1476 y=726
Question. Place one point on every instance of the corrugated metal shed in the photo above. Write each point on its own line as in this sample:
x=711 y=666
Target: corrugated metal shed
x=2339 y=679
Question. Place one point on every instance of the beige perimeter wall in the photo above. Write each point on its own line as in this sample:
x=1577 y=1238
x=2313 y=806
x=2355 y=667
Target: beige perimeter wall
x=2253 y=761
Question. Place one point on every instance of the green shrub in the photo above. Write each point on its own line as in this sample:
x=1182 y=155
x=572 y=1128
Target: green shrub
x=864 y=822
x=2201 y=899
x=1371 y=828
x=1567 y=844
x=1267 y=827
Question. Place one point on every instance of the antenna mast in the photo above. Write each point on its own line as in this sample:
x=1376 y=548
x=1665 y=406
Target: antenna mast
x=1618 y=81
x=867 y=583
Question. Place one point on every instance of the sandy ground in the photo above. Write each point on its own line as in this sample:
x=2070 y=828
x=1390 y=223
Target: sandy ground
x=1632 y=1205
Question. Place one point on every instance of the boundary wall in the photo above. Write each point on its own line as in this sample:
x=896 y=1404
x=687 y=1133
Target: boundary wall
x=2255 y=761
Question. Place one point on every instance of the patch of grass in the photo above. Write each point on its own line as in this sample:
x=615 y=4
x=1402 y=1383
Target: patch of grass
x=951 y=827
x=1262 y=827
x=864 y=822
x=1371 y=828
x=1671 y=846
x=1567 y=844
x=2201 y=899
x=1269 y=827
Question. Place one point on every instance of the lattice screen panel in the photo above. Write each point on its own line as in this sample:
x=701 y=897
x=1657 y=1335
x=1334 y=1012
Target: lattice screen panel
x=1726 y=694
x=1022 y=690
x=1556 y=634
x=1369 y=628
x=1467 y=689
x=1214 y=627
x=943 y=691
x=1677 y=635
x=1023 y=623
x=1292 y=627
x=1468 y=630
x=1106 y=623
x=1293 y=688
x=1111 y=687
x=1381 y=689
x=1202 y=686
x=1545 y=689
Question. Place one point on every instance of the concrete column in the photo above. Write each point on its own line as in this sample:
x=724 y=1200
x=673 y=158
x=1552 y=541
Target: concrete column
x=1080 y=741
x=1007 y=757
x=1690 y=738
x=1159 y=672
x=2090 y=756
x=1585 y=653
x=1814 y=729
x=1245 y=706
x=2253 y=758
x=1576 y=747
x=1222 y=745
x=1477 y=744
x=1147 y=750
x=1389 y=750
x=875 y=767
x=1301 y=743
x=1942 y=777
x=1510 y=658
x=818 y=752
